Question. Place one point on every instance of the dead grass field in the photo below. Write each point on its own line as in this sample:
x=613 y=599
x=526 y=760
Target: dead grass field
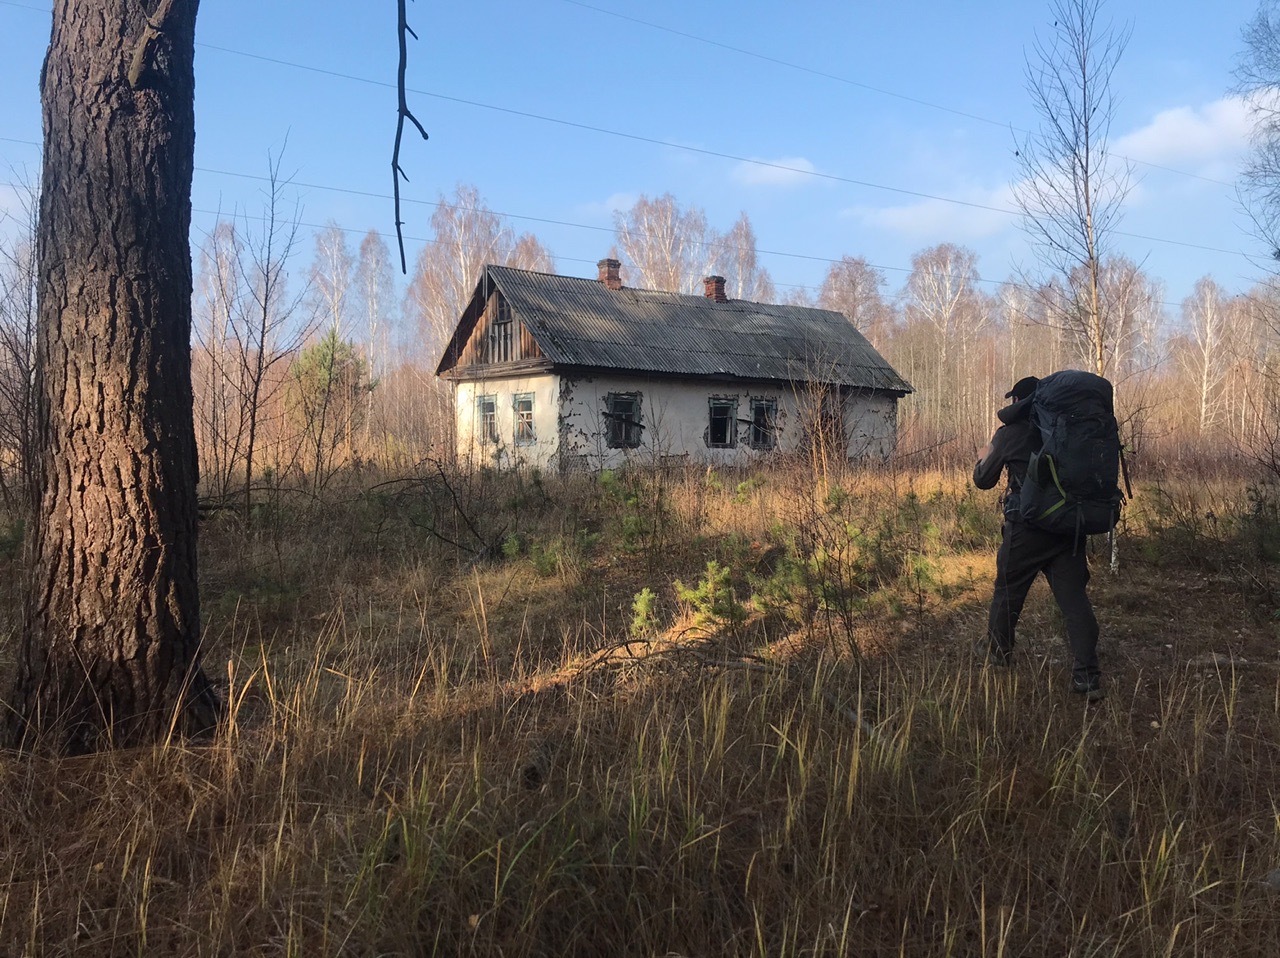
x=451 y=731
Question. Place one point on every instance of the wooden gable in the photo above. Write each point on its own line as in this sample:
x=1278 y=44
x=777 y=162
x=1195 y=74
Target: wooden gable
x=498 y=337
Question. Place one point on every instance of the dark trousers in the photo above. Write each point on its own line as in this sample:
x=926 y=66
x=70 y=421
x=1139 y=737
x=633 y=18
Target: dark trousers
x=1024 y=554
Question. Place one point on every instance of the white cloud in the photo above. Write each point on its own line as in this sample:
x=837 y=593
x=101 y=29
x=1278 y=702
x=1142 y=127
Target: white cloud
x=609 y=205
x=1195 y=139
x=933 y=219
x=784 y=171
x=1187 y=135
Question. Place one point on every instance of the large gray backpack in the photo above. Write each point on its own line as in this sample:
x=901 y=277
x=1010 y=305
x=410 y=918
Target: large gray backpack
x=1073 y=481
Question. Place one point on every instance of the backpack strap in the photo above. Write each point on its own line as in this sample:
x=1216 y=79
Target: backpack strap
x=1124 y=471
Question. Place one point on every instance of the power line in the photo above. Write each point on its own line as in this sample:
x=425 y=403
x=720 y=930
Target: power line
x=680 y=146
x=559 y=258
x=787 y=63
x=865 y=86
x=754 y=54
x=575 y=124
x=554 y=222
x=693 y=149
x=734 y=49
x=565 y=259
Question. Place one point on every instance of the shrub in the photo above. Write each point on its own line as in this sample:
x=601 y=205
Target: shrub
x=713 y=601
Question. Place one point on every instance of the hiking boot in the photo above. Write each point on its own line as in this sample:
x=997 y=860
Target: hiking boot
x=993 y=655
x=1091 y=689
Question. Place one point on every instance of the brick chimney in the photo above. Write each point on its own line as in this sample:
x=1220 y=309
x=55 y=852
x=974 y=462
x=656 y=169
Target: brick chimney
x=609 y=273
x=713 y=288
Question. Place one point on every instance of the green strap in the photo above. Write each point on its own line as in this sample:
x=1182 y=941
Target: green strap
x=1053 y=471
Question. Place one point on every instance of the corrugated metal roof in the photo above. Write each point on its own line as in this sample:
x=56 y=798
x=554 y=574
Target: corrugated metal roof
x=581 y=322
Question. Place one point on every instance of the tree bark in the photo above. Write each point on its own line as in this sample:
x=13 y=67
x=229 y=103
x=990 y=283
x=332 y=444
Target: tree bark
x=110 y=645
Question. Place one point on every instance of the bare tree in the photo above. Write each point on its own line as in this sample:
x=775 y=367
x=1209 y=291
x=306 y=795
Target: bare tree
x=947 y=316
x=274 y=324
x=217 y=364
x=111 y=637
x=1258 y=79
x=853 y=287
x=247 y=324
x=667 y=247
x=468 y=236
x=332 y=278
x=1071 y=189
x=737 y=261
x=327 y=383
x=1132 y=302
x=325 y=367
x=529 y=253
x=797 y=296
x=375 y=292
x=942 y=291
x=1205 y=313
x=18 y=285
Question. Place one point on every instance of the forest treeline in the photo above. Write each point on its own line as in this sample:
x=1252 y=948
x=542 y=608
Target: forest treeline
x=310 y=359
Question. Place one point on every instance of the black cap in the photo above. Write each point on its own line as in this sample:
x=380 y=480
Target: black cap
x=1023 y=388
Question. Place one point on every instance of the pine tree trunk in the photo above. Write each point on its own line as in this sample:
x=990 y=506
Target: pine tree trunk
x=110 y=646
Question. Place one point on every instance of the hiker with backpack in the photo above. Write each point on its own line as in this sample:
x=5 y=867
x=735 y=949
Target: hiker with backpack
x=1059 y=443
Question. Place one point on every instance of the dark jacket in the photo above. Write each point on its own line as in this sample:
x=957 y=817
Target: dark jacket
x=1011 y=448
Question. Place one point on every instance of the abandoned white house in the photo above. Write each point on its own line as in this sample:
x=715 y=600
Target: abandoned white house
x=560 y=371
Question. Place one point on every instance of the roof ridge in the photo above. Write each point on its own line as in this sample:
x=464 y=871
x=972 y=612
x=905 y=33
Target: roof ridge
x=580 y=322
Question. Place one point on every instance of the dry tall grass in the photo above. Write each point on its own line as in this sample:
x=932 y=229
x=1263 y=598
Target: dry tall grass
x=461 y=747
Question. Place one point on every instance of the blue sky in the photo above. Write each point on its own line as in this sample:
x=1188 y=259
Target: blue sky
x=920 y=97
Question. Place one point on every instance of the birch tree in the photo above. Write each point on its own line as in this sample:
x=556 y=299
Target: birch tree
x=218 y=361
x=1205 y=314
x=942 y=292
x=667 y=247
x=374 y=293
x=18 y=320
x=853 y=287
x=1258 y=80
x=1071 y=189
x=738 y=262
x=274 y=324
x=468 y=237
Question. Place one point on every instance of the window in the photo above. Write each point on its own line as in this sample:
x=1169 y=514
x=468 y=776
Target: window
x=487 y=419
x=764 y=423
x=500 y=331
x=524 y=419
x=622 y=420
x=723 y=430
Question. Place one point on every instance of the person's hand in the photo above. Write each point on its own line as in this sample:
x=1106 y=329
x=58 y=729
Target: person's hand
x=986 y=451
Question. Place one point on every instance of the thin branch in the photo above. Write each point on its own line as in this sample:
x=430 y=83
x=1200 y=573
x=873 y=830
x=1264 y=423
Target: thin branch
x=402 y=113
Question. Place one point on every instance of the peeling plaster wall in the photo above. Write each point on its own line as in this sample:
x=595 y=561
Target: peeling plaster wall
x=871 y=423
x=474 y=449
x=676 y=420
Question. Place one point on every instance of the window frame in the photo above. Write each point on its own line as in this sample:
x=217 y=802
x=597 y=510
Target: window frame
x=730 y=406
x=500 y=347
x=489 y=436
x=769 y=429
x=631 y=431
x=519 y=416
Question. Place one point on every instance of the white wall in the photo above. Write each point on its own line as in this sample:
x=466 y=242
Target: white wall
x=676 y=419
x=871 y=423
x=546 y=404
x=569 y=424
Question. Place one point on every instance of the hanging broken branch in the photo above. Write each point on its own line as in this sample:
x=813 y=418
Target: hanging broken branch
x=403 y=113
